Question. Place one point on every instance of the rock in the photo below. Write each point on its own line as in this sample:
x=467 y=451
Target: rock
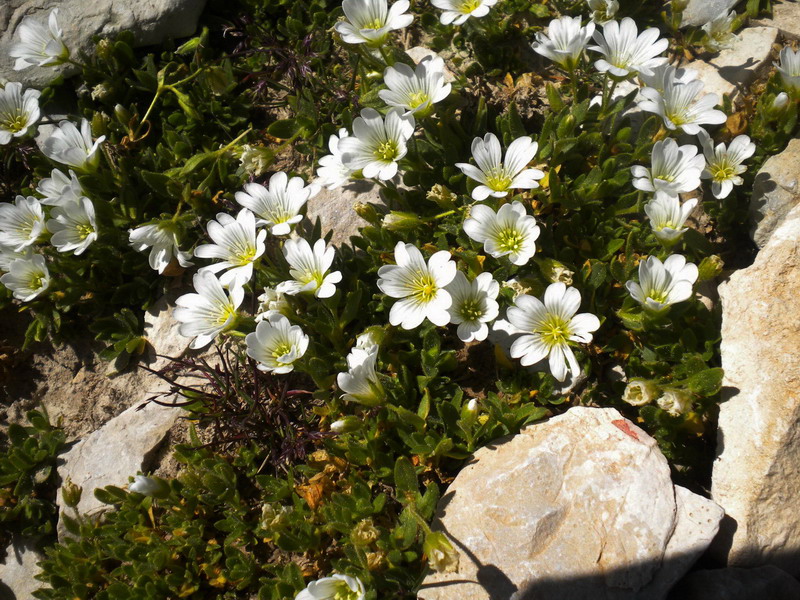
x=785 y=18
x=118 y=449
x=578 y=507
x=335 y=208
x=417 y=53
x=756 y=474
x=737 y=584
x=17 y=574
x=151 y=22
x=162 y=332
x=733 y=69
x=700 y=12
x=775 y=193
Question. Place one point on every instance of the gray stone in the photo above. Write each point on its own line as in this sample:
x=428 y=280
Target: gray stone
x=785 y=18
x=737 y=584
x=733 y=69
x=18 y=571
x=578 y=507
x=162 y=333
x=756 y=473
x=151 y=21
x=335 y=208
x=417 y=53
x=775 y=193
x=700 y=12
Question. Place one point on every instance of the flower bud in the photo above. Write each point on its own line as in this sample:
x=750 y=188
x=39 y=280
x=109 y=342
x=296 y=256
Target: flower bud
x=441 y=196
x=149 y=486
x=780 y=101
x=709 y=267
x=71 y=493
x=367 y=212
x=255 y=160
x=401 y=221
x=346 y=424
x=364 y=533
x=442 y=557
x=675 y=402
x=105 y=49
x=123 y=114
x=469 y=413
x=640 y=392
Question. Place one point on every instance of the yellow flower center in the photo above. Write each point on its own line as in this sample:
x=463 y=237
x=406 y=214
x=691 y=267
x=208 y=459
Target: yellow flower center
x=417 y=98
x=84 y=231
x=498 y=180
x=659 y=296
x=469 y=5
x=227 y=312
x=425 y=288
x=678 y=118
x=36 y=281
x=471 y=310
x=343 y=592
x=14 y=122
x=376 y=23
x=281 y=349
x=510 y=240
x=387 y=151
x=722 y=171
x=555 y=331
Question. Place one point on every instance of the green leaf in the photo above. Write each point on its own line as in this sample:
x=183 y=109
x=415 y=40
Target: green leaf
x=405 y=480
x=283 y=129
x=706 y=383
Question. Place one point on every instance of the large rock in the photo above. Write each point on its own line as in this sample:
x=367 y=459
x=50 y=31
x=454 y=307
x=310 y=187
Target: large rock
x=785 y=18
x=737 y=584
x=151 y=21
x=735 y=68
x=700 y=12
x=17 y=573
x=775 y=193
x=578 y=507
x=334 y=208
x=756 y=475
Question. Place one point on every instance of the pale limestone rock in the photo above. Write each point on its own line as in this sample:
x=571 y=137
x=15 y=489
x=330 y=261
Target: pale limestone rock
x=578 y=507
x=775 y=192
x=18 y=571
x=785 y=18
x=700 y=12
x=162 y=333
x=417 y=53
x=151 y=21
x=766 y=582
x=335 y=208
x=733 y=69
x=756 y=474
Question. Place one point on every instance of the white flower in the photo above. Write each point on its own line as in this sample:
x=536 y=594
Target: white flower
x=309 y=267
x=780 y=101
x=667 y=216
x=660 y=75
x=18 y=112
x=278 y=206
x=269 y=303
x=68 y=146
x=376 y=145
x=625 y=50
x=675 y=402
x=549 y=327
x=789 y=67
x=276 y=344
x=21 y=223
x=332 y=172
x=496 y=176
x=509 y=232
x=603 y=11
x=725 y=164
x=680 y=107
x=208 y=312
x=458 y=11
x=564 y=42
x=58 y=189
x=474 y=305
x=361 y=384
x=148 y=486
x=421 y=286
x=661 y=285
x=255 y=160
x=416 y=90
x=8 y=255
x=639 y=392
x=237 y=243
x=674 y=169
x=163 y=239
x=27 y=277
x=719 y=32
x=73 y=226
x=370 y=21
x=336 y=587
x=39 y=45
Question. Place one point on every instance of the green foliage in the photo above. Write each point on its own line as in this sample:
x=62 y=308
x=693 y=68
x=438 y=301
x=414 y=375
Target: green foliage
x=28 y=478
